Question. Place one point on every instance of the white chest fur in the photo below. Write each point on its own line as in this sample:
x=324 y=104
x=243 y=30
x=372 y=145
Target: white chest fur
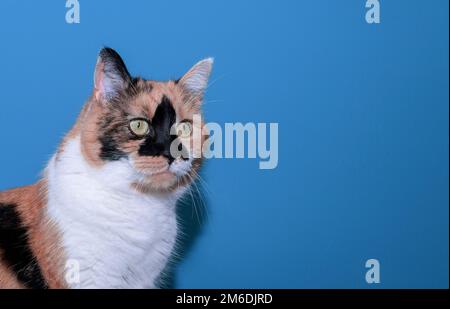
x=117 y=237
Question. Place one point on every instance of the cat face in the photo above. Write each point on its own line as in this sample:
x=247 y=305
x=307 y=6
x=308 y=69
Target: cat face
x=146 y=125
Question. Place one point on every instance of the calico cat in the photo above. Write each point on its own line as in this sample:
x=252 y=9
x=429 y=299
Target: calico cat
x=105 y=206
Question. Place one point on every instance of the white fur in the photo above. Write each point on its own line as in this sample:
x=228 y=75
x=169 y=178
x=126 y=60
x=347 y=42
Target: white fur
x=118 y=237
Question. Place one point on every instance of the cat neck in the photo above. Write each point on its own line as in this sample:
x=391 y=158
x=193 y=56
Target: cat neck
x=108 y=228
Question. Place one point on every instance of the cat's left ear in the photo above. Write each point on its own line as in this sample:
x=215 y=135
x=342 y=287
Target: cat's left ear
x=195 y=81
x=111 y=75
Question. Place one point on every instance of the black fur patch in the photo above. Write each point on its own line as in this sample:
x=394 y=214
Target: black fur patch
x=109 y=150
x=162 y=122
x=15 y=249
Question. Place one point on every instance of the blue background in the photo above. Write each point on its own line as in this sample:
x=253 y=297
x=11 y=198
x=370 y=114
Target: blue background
x=362 y=112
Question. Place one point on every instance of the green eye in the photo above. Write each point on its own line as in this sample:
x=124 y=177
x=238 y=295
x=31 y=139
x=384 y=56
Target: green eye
x=139 y=127
x=184 y=129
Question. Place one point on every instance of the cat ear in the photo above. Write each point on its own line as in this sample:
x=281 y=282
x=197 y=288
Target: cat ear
x=111 y=75
x=195 y=81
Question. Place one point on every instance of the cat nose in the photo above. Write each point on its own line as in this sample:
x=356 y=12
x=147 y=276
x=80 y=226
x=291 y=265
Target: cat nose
x=163 y=150
x=157 y=147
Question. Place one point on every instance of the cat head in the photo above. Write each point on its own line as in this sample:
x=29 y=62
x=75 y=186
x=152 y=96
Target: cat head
x=148 y=126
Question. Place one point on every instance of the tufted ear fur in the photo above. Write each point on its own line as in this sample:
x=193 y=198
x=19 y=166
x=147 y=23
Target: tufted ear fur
x=111 y=75
x=195 y=81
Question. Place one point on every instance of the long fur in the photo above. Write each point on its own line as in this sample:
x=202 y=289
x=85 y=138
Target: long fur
x=105 y=207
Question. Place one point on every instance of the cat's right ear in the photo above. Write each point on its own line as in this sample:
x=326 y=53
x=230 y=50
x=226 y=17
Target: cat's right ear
x=111 y=75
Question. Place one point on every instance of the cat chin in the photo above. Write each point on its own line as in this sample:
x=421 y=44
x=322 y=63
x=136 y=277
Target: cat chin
x=159 y=178
x=164 y=178
x=159 y=182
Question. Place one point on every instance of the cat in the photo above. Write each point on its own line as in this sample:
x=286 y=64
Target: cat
x=103 y=213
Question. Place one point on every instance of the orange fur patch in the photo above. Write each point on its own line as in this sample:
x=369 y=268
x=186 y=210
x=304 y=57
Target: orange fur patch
x=43 y=235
